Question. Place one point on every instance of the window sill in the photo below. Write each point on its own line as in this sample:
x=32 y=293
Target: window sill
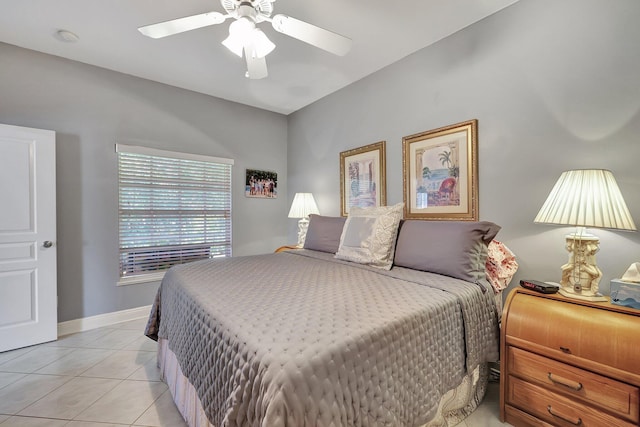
x=142 y=278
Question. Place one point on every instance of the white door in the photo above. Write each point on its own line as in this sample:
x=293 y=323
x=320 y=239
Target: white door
x=28 y=295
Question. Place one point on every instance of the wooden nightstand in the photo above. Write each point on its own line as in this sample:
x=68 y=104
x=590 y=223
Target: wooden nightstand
x=287 y=248
x=566 y=362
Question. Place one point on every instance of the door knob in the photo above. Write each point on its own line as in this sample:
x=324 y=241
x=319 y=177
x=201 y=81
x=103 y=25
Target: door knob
x=47 y=243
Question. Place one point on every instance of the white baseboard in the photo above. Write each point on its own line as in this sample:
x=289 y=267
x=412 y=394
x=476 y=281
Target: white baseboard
x=106 y=319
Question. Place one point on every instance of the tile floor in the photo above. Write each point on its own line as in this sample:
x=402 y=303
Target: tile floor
x=108 y=377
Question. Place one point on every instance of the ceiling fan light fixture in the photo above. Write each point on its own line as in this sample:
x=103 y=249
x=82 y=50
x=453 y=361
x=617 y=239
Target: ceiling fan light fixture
x=262 y=46
x=248 y=41
x=240 y=32
x=242 y=27
x=255 y=43
x=234 y=44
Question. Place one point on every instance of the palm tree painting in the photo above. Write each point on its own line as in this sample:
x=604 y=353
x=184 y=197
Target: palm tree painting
x=439 y=178
x=445 y=159
x=440 y=169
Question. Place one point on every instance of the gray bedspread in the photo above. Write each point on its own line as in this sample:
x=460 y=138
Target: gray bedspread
x=300 y=339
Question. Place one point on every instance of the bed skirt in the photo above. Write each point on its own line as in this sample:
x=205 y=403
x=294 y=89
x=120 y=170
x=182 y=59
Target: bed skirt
x=454 y=406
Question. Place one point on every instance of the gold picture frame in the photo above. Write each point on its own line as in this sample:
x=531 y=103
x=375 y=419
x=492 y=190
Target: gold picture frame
x=440 y=173
x=363 y=181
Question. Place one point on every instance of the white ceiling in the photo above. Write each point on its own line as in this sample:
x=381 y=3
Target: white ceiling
x=299 y=74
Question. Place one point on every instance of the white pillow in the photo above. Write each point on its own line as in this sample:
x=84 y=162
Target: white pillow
x=369 y=235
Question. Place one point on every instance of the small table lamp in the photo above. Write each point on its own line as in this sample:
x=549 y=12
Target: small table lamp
x=584 y=198
x=303 y=205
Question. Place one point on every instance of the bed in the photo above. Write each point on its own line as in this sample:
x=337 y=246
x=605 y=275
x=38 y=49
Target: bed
x=323 y=336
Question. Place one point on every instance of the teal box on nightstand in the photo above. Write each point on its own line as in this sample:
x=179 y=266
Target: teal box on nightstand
x=625 y=293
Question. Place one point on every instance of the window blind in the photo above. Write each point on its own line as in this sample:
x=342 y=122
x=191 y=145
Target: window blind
x=173 y=208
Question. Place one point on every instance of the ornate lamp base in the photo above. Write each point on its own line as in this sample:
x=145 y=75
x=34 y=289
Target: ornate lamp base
x=570 y=294
x=303 y=225
x=581 y=275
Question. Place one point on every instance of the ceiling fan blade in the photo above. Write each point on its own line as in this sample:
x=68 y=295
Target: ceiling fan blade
x=180 y=25
x=315 y=36
x=256 y=67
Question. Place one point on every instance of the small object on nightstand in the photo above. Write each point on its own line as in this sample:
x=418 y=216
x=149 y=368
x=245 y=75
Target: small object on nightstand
x=632 y=274
x=538 y=286
x=625 y=293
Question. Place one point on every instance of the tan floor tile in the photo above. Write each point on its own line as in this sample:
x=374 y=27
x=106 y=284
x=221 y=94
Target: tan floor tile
x=7 y=378
x=79 y=339
x=76 y=362
x=22 y=393
x=137 y=324
x=32 y=422
x=143 y=343
x=125 y=403
x=34 y=360
x=114 y=339
x=119 y=365
x=72 y=398
x=5 y=356
x=163 y=413
x=147 y=372
x=479 y=418
x=92 y=424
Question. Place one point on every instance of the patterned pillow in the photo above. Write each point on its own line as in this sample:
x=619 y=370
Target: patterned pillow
x=369 y=235
x=501 y=265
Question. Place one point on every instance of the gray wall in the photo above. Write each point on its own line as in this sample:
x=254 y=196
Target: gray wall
x=554 y=86
x=92 y=109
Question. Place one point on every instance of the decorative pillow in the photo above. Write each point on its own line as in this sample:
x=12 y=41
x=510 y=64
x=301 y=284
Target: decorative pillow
x=324 y=233
x=369 y=235
x=501 y=265
x=453 y=248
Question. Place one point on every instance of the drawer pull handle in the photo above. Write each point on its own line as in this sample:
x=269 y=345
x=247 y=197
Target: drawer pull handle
x=564 y=382
x=575 y=423
x=565 y=350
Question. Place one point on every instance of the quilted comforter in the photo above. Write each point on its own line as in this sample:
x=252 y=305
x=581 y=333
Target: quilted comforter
x=299 y=338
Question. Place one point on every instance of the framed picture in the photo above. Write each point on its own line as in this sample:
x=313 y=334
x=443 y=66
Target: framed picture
x=440 y=173
x=363 y=180
x=261 y=184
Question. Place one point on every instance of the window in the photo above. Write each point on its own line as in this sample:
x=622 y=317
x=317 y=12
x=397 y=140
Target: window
x=173 y=208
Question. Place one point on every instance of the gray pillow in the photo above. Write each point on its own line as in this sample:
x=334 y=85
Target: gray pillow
x=452 y=248
x=324 y=233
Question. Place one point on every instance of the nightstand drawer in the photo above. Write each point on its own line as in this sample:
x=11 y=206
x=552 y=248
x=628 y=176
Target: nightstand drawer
x=557 y=409
x=593 y=389
x=519 y=418
x=573 y=331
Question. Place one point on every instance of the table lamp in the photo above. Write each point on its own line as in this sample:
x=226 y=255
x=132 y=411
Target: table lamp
x=303 y=205
x=584 y=198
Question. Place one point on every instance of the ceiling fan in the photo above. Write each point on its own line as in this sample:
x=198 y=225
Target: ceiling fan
x=246 y=38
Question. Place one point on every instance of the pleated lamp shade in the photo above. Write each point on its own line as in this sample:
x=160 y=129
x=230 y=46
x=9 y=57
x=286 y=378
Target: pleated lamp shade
x=586 y=198
x=303 y=205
